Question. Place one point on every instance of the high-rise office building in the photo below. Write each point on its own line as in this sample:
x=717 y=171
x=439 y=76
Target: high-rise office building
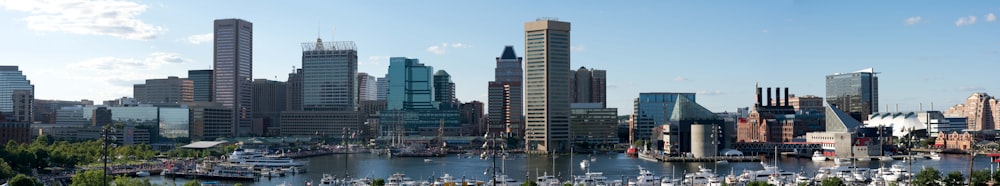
x=410 y=85
x=233 y=71
x=22 y=104
x=170 y=90
x=209 y=121
x=547 y=65
x=588 y=86
x=329 y=76
x=11 y=79
x=506 y=96
x=854 y=93
x=367 y=87
x=268 y=100
x=202 y=82
x=444 y=88
x=382 y=88
x=981 y=110
x=294 y=91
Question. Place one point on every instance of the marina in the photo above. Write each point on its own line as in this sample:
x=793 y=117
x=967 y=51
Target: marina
x=610 y=168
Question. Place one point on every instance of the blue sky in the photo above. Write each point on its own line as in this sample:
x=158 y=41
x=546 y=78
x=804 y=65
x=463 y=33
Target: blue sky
x=927 y=51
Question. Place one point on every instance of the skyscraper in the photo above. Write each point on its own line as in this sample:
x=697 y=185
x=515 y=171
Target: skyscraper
x=410 y=85
x=202 y=82
x=444 y=89
x=367 y=87
x=382 y=86
x=269 y=101
x=169 y=90
x=588 y=86
x=854 y=93
x=11 y=79
x=506 y=96
x=294 y=91
x=233 y=71
x=329 y=80
x=547 y=68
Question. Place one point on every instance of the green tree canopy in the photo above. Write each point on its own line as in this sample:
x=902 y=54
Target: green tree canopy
x=529 y=183
x=758 y=183
x=192 y=183
x=5 y=170
x=928 y=177
x=378 y=182
x=980 y=177
x=832 y=181
x=954 y=179
x=21 y=180
x=89 y=177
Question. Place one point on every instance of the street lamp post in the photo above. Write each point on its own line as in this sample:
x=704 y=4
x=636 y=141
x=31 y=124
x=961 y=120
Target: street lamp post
x=107 y=129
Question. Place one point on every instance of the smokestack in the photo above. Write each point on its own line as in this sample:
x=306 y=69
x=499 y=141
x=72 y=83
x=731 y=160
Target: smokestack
x=786 y=96
x=777 y=96
x=759 y=97
x=769 y=99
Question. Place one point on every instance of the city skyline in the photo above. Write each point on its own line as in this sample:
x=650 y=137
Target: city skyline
x=926 y=53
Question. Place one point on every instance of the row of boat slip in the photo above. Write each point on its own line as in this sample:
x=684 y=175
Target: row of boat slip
x=817 y=156
x=771 y=174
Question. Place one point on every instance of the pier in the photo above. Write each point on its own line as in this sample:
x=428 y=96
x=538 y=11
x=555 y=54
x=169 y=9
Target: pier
x=212 y=176
x=662 y=158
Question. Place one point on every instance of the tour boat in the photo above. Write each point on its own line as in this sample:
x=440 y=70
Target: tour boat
x=935 y=156
x=646 y=178
x=252 y=157
x=142 y=173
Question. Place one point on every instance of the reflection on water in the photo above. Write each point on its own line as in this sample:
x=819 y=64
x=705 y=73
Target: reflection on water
x=615 y=166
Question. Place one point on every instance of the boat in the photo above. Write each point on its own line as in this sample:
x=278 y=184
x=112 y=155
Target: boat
x=584 y=164
x=257 y=159
x=400 y=179
x=142 y=173
x=886 y=158
x=504 y=180
x=591 y=179
x=447 y=179
x=767 y=174
x=547 y=180
x=863 y=159
x=670 y=182
x=327 y=180
x=210 y=183
x=935 y=156
x=646 y=178
x=817 y=156
x=704 y=177
x=428 y=160
x=843 y=170
x=722 y=162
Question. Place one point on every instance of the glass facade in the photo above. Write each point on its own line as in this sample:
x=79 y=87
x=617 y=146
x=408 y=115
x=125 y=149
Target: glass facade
x=655 y=109
x=11 y=79
x=233 y=70
x=168 y=123
x=853 y=93
x=202 y=81
x=444 y=88
x=420 y=122
x=329 y=80
x=410 y=85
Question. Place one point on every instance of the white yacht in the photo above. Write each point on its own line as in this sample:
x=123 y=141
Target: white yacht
x=327 y=180
x=766 y=174
x=885 y=158
x=142 y=173
x=591 y=179
x=646 y=178
x=585 y=164
x=704 y=177
x=547 y=180
x=935 y=156
x=843 y=170
x=444 y=180
x=252 y=157
x=670 y=182
x=817 y=156
x=400 y=179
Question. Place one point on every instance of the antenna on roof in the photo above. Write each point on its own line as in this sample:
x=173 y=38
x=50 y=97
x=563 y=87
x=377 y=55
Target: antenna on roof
x=334 y=32
x=318 y=25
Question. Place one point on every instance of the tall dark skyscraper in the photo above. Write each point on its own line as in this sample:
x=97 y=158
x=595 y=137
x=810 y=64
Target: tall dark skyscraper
x=547 y=66
x=329 y=80
x=367 y=87
x=202 y=81
x=294 y=91
x=444 y=88
x=232 y=79
x=506 y=96
x=588 y=86
x=854 y=93
x=269 y=101
x=382 y=84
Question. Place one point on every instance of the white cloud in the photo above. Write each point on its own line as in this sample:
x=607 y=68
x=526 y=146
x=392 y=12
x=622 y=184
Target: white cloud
x=764 y=31
x=126 y=71
x=990 y=17
x=578 y=48
x=710 y=92
x=107 y=17
x=199 y=38
x=678 y=78
x=965 y=21
x=443 y=47
x=912 y=20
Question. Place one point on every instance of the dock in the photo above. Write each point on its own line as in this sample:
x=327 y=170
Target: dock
x=662 y=158
x=212 y=176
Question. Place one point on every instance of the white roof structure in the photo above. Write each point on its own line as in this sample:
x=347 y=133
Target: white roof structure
x=901 y=122
x=203 y=144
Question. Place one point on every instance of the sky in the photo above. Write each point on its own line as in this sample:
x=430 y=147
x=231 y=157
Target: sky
x=927 y=51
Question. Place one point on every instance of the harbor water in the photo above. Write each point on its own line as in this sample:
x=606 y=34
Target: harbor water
x=521 y=167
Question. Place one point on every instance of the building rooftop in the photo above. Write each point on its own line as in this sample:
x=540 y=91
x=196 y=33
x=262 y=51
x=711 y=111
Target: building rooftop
x=685 y=109
x=838 y=121
x=508 y=53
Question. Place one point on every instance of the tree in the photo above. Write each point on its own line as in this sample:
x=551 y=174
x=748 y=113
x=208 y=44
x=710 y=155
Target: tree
x=529 y=183
x=378 y=182
x=5 y=170
x=192 y=183
x=238 y=184
x=928 y=177
x=567 y=184
x=954 y=179
x=122 y=180
x=832 y=181
x=89 y=177
x=980 y=177
x=21 y=180
x=758 y=183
